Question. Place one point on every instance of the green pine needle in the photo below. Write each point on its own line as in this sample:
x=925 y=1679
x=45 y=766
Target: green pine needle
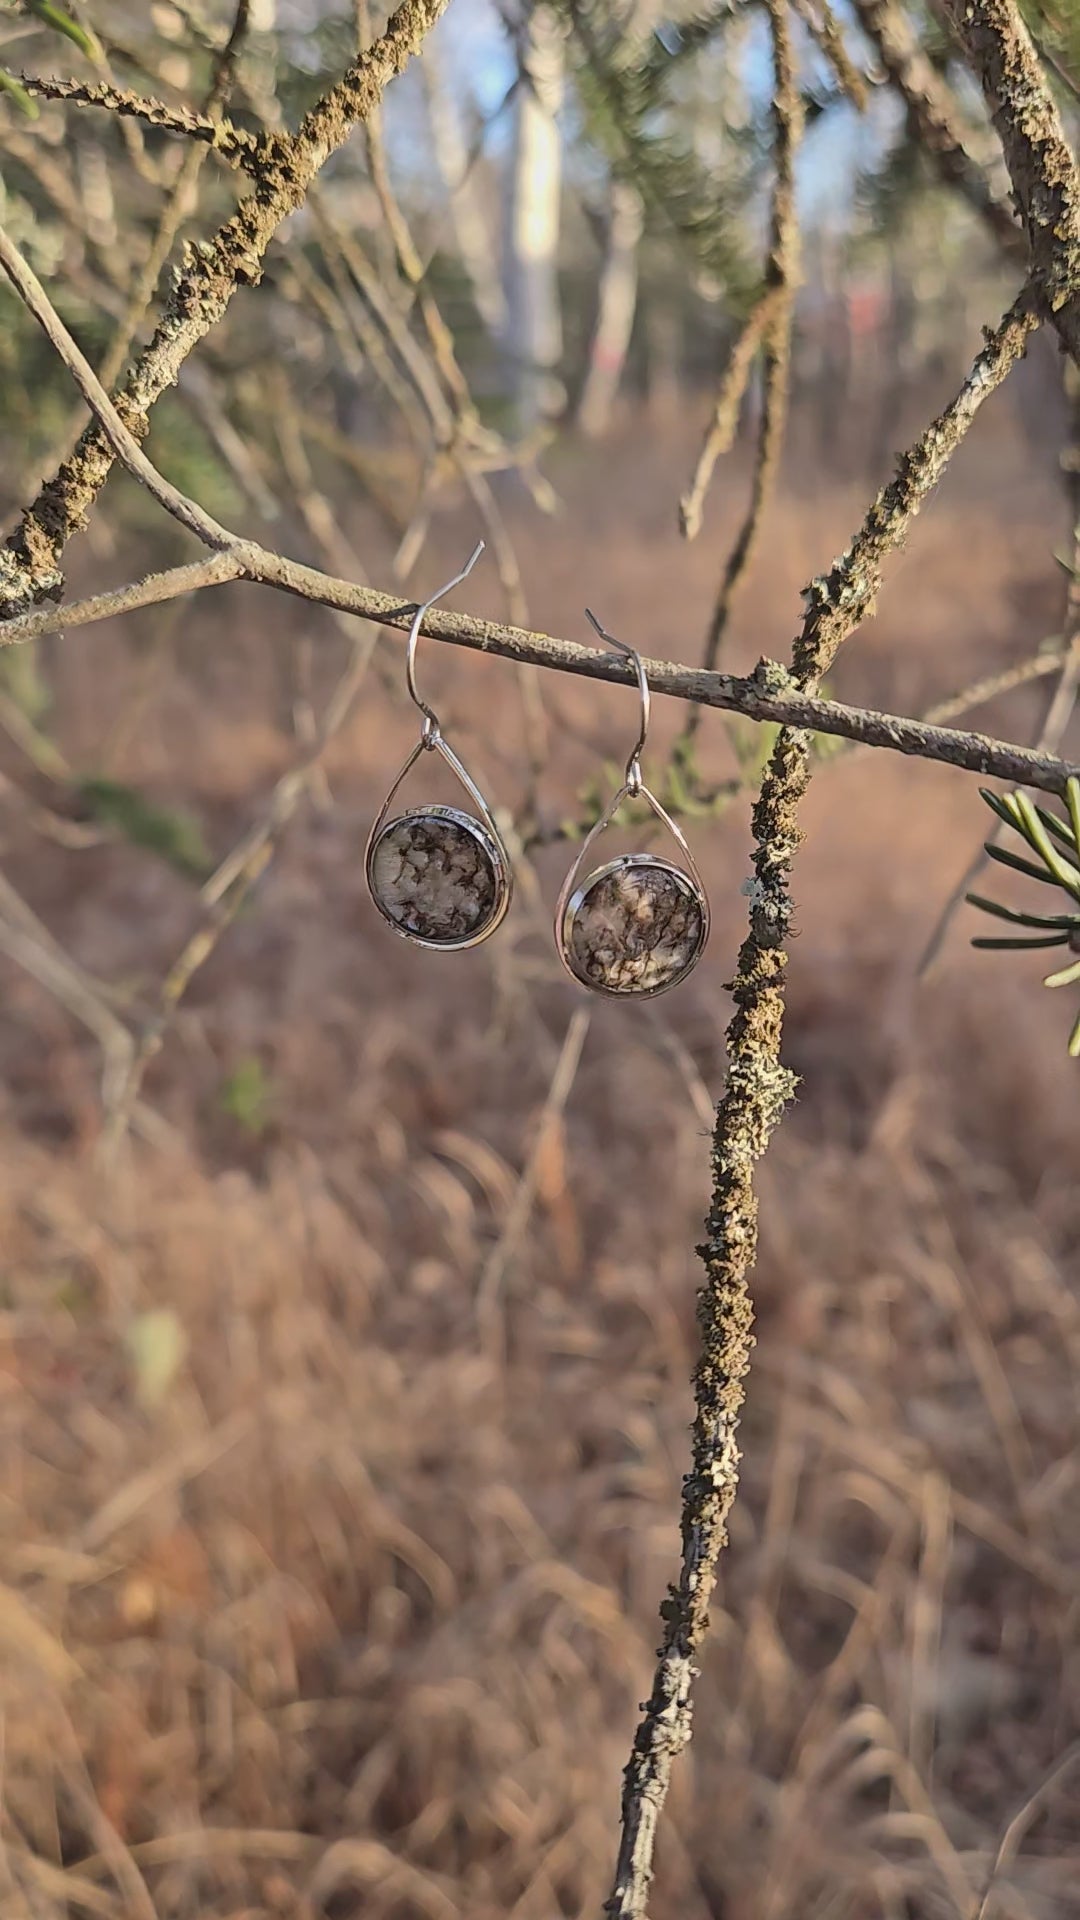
x=1046 y=834
x=989 y=944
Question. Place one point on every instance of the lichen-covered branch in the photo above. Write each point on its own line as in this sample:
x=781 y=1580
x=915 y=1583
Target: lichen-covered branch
x=234 y=144
x=757 y=1089
x=768 y=694
x=1042 y=167
x=29 y=564
x=934 y=119
x=839 y=600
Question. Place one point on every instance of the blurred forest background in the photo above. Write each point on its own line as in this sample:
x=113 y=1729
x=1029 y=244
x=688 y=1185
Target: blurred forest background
x=347 y=1291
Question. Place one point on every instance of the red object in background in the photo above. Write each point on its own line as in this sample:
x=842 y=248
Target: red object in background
x=866 y=306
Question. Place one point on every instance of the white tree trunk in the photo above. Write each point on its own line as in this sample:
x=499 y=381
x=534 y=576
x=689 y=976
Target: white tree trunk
x=534 y=322
x=616 y=301
x=469 y=217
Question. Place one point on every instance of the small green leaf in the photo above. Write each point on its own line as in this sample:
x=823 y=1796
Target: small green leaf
x=247 y=1096
x=61 y=22
x=1074 y=1039
x=18 y=95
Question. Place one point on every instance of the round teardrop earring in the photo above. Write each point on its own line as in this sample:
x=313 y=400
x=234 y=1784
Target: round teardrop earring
x=639 y=924
x=439 y=876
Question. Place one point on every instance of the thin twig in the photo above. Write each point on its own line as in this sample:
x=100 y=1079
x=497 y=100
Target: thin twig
x=123 y=443
x=506 y=1247
x=781 y=277
x=720 y=432
x=827 y=34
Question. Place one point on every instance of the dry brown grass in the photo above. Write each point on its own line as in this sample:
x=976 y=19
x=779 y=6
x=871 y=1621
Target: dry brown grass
x=355 y=1617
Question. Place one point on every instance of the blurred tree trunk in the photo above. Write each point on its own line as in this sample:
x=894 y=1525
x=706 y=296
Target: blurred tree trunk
x=469 y=217
x=534 y=322
x=616 y=302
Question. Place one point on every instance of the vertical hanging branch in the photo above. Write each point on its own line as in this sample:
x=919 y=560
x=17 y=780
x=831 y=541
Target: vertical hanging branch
x=770 y=325
x=781 y=279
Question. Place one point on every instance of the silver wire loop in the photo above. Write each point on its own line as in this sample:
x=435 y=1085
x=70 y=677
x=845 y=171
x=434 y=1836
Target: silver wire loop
x=633 y=766
x=431 y=732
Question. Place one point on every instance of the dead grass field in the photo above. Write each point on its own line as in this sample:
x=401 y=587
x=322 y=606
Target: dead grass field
x=354 y=1617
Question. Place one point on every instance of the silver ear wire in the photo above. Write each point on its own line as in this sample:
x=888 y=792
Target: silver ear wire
x=432 y=730
x=639 y=924
x=633 y=765
x=439 y=875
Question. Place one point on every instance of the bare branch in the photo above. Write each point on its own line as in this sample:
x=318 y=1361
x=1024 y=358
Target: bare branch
x=123 y=443
x=721 y=430
x=767 y=694
x=1041 y=165
x=934 y=117
x=825 y=30
x=234 y=144
x=29 y=569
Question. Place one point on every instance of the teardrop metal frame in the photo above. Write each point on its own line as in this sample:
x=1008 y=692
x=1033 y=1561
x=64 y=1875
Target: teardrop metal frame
x=572 y=896
x=484 y=831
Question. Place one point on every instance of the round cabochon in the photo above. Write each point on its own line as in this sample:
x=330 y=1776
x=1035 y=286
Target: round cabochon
x=638 y=925
x=437 y=876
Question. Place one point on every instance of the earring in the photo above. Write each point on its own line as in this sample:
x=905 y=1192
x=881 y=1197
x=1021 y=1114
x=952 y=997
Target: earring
x=639 y=924
x=438 y=875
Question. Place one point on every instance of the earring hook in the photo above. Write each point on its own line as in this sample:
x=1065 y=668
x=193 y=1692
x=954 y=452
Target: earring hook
x=431 y=729
x=633 y=765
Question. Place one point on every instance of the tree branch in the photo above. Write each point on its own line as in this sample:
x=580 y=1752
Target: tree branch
x=757 y=1090
x=29 y=563
x=1043 y=170
x=122 y=442
x=234 y=144
x=934 y=118
x=768 y=694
